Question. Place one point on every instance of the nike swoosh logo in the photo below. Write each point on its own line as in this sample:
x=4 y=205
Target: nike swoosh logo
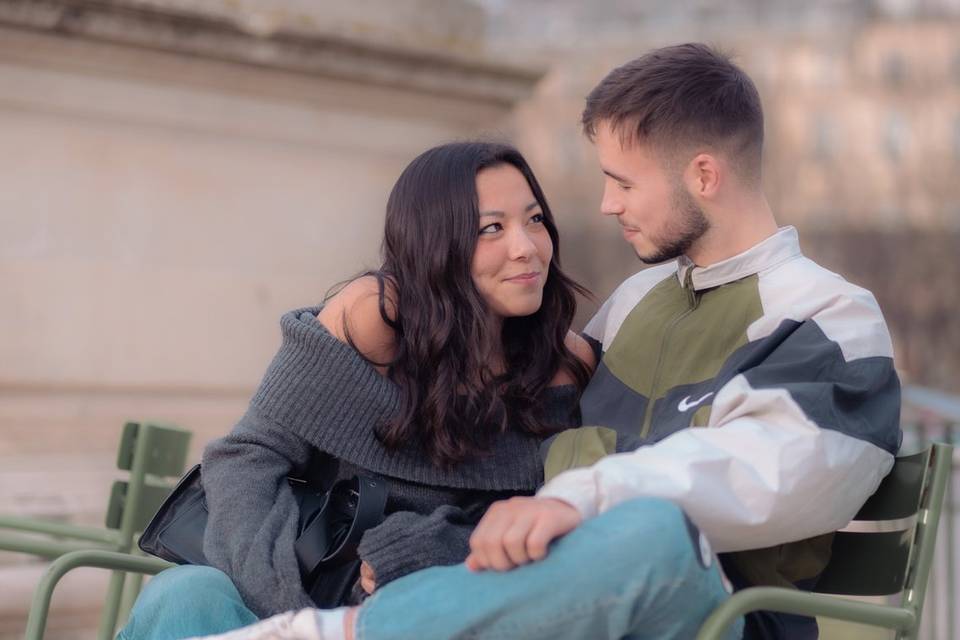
x=686 y=405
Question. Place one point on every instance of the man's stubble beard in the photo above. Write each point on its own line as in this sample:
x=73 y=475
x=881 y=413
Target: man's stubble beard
x=687 y=225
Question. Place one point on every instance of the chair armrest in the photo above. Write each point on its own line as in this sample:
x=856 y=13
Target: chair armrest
x=45 y=547
x=39 y=608
x=801 y=603
x=60 y=529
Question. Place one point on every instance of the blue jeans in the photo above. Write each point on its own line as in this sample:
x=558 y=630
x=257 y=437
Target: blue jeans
x=636 y=571
x=186 y=601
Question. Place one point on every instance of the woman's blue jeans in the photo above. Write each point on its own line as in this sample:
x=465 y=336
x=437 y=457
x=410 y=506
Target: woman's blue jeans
x=636 y=571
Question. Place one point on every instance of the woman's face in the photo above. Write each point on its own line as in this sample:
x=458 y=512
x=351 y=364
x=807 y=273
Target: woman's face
x=513 y=248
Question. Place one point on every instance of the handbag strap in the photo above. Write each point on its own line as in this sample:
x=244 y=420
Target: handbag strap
x=317 y=547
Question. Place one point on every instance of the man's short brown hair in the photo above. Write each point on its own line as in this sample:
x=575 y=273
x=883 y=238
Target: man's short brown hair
x=679 y=98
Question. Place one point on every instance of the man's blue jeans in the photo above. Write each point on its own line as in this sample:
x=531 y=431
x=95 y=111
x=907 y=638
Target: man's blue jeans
x=636 y=571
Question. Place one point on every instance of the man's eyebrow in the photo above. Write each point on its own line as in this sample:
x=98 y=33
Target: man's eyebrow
x=616 y=177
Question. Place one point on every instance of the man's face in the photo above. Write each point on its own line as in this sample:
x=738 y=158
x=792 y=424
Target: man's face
x=656 y=212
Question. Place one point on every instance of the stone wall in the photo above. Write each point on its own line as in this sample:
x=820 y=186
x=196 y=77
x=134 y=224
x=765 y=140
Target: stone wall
x=173 y=177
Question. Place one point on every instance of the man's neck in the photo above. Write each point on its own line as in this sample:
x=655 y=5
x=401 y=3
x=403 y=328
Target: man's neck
x=733 y=230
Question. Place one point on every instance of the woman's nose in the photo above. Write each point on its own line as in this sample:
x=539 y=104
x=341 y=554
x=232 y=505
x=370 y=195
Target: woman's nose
x=521 y=245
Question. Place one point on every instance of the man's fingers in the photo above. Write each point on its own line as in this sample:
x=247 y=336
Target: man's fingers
x=472 y=563
x=560 y=519
x=539 y=539
x=477 y=560
x=518 y=531
x=496 y=554
x=485 y=542
x=514 y=540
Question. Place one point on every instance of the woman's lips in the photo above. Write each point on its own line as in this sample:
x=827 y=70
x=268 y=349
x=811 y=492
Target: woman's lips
x=525 y=278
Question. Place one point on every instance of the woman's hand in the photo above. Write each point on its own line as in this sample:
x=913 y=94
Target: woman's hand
x=368 y=580
x=519 y=530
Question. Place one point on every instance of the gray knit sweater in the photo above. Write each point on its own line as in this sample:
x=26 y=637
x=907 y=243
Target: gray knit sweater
x=314 y=416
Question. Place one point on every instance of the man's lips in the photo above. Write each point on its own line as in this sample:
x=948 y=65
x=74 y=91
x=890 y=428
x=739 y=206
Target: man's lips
x=628 y=231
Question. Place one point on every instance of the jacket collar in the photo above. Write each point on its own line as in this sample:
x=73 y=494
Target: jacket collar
x=782 y=246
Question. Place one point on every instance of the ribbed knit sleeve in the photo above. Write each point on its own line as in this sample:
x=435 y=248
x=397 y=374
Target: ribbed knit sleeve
x=407 y=542
x=253 y=515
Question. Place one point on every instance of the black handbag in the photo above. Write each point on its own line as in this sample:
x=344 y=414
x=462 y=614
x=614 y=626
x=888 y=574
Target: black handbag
x=331 y=523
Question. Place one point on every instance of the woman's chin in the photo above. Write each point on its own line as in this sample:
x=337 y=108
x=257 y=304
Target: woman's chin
x=520 y=310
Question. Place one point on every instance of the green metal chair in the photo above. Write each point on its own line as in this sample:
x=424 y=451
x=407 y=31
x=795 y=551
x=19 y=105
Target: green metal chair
x=876 y=563
x=118 y=562
x=152 y=454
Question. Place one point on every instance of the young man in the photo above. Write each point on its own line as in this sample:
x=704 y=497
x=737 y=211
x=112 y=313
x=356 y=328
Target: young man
x=741 y=387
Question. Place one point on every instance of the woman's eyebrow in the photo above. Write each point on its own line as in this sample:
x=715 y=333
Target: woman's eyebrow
x=501 y=214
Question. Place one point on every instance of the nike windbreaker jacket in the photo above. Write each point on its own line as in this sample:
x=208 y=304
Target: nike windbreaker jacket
x=786 y=372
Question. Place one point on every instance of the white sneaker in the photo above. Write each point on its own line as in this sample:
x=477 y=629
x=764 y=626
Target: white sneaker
x=292 y=625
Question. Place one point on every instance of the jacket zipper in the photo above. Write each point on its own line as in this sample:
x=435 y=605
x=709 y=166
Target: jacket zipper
x=694 y=302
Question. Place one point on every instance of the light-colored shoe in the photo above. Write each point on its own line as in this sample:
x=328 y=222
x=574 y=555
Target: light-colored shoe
x=292 y=625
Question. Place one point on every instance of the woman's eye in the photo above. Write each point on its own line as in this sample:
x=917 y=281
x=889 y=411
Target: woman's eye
x=623 y=187
x=491 y=228
x=537 y=218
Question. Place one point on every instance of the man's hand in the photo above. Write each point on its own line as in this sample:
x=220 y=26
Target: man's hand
x=517 y=531
x=368 y=581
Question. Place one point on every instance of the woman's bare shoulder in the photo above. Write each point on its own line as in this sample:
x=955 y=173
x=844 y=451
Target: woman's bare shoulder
x=580 y=348
x=356 y=309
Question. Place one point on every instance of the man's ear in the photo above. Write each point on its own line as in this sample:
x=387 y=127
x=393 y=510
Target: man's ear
x=704 y=176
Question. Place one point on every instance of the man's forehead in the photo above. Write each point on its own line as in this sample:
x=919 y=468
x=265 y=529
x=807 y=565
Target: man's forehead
x=621 y=156
x=611 y=149
x=619 y=133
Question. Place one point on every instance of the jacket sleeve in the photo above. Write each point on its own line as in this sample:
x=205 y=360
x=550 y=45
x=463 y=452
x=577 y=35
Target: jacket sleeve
x=406 y=541
x=795 y=444
x=253 y=514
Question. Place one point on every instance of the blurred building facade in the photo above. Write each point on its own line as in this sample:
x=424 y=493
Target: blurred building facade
x=862 y=104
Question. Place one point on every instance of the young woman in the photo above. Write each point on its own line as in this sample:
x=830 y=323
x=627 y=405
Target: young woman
x=440 y=373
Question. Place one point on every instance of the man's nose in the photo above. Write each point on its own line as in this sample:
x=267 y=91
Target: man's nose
x=611 y=204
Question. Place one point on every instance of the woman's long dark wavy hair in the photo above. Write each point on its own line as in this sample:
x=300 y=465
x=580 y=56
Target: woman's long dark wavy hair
x=453 y=400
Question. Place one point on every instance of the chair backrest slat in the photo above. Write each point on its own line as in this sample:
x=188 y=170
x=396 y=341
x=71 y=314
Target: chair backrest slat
x=151 y=453
x=867 y=564
x=166 y=454
x=152 y=495
x=887 y=562
x=898 y=495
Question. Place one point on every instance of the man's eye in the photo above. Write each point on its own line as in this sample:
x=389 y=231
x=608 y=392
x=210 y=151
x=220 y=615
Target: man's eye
x=491 y=228
x=623 y=187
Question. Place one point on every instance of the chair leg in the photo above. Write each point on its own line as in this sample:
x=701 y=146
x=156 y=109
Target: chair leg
x=111 y=606
x=131 y=589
